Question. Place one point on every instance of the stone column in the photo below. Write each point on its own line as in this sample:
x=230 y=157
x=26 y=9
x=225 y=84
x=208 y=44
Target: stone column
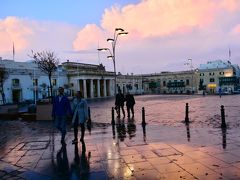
x=91 y=88
x=98 y=88
x=84 y=88
x=104 y=88
x=112 y=86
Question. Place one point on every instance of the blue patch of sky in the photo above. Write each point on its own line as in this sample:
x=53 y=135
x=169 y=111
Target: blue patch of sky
x=78 y=12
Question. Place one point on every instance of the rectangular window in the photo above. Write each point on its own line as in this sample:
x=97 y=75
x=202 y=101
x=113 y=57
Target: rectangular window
x=187 y=82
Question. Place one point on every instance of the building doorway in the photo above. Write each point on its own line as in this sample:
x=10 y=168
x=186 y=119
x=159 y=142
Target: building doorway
x=16 y=95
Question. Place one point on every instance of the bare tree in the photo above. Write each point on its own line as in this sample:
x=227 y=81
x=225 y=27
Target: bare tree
x=3 y=76
x=47 y=62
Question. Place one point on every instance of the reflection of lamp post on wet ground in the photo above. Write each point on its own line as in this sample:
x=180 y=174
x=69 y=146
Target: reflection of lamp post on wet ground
x=117 y=32
x=189 y=63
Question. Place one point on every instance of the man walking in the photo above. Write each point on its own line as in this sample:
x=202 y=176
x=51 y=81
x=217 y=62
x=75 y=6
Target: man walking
x=119 y=103
x=61 y=108
x=130 y=101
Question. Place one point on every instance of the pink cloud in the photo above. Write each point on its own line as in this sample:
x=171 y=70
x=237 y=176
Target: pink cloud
x=13 y=29
x=236 y=30
x=88 y=37
x=160 y=18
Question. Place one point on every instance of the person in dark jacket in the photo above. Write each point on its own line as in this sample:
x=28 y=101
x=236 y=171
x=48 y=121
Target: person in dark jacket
x=119 y=103
x=130 y=101
x=61 y=108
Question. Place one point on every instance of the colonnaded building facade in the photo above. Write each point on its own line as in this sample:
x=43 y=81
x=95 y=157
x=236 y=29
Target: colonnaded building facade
x=26 y=82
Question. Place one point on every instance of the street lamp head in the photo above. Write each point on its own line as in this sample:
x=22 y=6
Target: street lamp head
x=110 y=57
x=102 y=49
x=123 y=33
x=119 y=29
x=110 y=40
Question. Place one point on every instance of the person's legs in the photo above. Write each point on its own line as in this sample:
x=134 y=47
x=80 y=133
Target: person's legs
x=132 y=109
x=123 y=111
x=75 y=126
x=82 y=131
x=128 y=111
x=63 y=128
x=118 y=111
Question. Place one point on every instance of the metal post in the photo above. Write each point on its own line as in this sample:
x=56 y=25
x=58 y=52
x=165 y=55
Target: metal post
x=143 y=116
x=186 y=114
x=113 y=121
x=223 y=125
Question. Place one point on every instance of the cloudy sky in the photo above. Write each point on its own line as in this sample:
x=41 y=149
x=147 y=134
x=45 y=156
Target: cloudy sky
x=163 y=34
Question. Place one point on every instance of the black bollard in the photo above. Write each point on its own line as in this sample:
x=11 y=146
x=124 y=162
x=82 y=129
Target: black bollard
x=223 y=125
x=186 y=114
x=113 y=121
x=143 y=116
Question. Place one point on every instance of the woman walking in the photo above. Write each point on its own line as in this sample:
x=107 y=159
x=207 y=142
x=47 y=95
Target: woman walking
x=80 y=115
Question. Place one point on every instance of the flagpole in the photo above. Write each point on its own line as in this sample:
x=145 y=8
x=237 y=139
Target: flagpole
x=13 y=52
x=229 y=54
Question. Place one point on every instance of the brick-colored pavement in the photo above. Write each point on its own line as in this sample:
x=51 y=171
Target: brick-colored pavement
x=32 y=150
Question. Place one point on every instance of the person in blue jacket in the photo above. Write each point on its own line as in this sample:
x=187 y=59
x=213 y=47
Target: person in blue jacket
x=61 y=109
x=80 y=115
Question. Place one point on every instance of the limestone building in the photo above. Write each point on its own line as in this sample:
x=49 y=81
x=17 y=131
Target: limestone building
x=181 y=82
x=93 y=80
x=215 y=75
x=26 y=82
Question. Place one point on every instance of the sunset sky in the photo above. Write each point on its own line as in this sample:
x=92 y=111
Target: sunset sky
x=163 y=34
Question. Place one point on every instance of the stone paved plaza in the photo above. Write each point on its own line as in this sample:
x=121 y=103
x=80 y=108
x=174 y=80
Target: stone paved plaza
x=165 y=148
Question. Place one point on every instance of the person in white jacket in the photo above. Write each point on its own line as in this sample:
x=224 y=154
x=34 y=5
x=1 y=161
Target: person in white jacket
x=80 y=115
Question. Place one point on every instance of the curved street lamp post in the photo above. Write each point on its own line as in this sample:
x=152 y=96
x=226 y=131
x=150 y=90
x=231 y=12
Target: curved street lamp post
x=189 y=63
x=117 y=32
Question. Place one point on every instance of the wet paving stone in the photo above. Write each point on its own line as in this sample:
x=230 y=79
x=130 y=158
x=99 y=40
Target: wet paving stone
x=165 y=148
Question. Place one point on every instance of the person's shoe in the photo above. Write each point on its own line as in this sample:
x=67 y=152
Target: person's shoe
x=75 y=141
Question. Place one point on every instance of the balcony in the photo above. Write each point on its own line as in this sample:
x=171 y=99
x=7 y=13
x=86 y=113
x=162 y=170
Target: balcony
x=175 y=84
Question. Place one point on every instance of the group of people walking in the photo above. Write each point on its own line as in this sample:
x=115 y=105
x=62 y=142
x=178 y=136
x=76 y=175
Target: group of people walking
x=119 y=103
x=62 y=109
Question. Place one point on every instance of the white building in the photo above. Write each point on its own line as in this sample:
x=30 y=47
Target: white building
x=130 y=83
x=93 y=80
x=217 y=75
x=26 y=82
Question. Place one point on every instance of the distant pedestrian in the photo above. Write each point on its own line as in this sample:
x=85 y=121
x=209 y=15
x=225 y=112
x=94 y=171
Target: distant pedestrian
x=130 y=102
x=220 y=92
x=3 y=98
x=61 y=108
x=80 y=115
x=119 y=103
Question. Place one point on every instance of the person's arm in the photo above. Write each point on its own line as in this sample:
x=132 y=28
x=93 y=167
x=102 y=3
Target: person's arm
x=69 y=109
x=53 y=108
x=86 y=110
